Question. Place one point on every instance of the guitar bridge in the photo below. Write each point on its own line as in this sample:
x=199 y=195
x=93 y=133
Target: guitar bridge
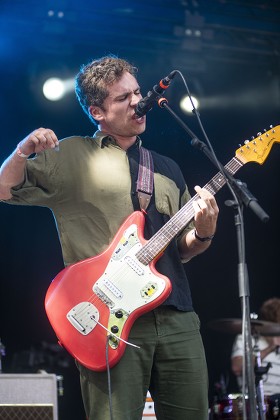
x=83 y=317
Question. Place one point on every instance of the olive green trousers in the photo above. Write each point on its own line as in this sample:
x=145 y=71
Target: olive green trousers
x=170 y=364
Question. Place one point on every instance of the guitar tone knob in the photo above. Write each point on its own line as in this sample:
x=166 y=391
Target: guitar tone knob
x=115 y=329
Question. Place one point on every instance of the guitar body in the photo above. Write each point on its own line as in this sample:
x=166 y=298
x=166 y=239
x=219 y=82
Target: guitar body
x=99 y=298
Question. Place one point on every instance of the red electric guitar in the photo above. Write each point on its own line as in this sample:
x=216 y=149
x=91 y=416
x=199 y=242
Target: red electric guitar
x=93 y=304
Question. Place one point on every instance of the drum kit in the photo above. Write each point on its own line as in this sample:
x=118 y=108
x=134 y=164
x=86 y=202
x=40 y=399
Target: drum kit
x=231 y=406
x=234 y=326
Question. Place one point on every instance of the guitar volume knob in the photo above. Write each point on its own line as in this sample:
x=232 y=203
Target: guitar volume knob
x=115 y=329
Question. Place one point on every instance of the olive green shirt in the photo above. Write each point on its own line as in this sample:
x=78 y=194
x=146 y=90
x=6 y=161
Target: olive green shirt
x=90 y=186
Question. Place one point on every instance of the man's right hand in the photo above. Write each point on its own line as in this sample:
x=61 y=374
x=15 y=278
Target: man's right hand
x=37 y=141
x=12 y=170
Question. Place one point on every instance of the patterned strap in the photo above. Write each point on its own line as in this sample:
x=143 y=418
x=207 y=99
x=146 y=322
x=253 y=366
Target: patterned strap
x=145 y=180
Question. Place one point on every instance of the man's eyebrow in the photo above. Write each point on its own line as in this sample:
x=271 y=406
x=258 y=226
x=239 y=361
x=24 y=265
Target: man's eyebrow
x=122 y=94
x=126 y=93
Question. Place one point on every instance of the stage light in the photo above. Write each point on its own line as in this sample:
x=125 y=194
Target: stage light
x=186 y=104
x=55 y=89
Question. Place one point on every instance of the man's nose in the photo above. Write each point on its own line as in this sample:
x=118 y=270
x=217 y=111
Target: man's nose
x=135 y=99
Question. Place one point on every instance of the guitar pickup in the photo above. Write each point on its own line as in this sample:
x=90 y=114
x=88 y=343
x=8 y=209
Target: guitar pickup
x=134 y=264
x=103 y=296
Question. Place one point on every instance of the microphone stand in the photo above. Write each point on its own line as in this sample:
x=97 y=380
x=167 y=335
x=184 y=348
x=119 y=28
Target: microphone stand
x=259 y=372
x=242 y=196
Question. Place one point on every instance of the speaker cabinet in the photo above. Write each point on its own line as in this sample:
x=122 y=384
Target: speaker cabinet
x=28 y=396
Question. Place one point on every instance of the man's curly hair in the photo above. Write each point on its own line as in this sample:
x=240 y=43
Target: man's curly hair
x=93 y=79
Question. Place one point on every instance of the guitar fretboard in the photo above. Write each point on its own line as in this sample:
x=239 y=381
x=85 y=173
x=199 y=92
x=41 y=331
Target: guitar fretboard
x=183 y=217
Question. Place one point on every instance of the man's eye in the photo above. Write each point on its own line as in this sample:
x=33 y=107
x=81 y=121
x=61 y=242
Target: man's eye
x=123 y=98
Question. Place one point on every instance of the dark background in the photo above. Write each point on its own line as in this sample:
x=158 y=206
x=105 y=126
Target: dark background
x=228 y=52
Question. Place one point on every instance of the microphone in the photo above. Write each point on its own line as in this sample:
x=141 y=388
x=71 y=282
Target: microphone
x=145 y=104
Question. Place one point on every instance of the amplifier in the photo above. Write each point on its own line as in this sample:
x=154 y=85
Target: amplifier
x=28 y=396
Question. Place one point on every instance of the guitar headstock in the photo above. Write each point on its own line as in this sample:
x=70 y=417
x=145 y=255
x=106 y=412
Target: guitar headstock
x=259 y=148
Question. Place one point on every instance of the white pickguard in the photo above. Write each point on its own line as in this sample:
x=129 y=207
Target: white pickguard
x=126 y=282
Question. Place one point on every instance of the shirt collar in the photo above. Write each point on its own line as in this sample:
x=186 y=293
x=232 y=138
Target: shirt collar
x=103 y=139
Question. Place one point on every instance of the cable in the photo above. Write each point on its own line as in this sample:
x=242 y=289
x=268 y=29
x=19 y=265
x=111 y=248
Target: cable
x=196 y=113
x=109 y=377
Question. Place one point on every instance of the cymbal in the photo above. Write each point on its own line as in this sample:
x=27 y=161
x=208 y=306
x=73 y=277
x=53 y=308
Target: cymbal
x=234 y=326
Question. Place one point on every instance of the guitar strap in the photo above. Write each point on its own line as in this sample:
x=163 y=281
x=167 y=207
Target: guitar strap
x=145 y=181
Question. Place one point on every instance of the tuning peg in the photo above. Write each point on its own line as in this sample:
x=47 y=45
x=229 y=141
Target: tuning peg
x=246 y=142
x=259 y=133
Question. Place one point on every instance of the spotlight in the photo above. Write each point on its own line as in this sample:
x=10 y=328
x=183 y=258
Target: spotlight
x=186 y=104
x=55 y=89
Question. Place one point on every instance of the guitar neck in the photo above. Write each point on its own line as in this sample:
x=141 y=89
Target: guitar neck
x=183 y=217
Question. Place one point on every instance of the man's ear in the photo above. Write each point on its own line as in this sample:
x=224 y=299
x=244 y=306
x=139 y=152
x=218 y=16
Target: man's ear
x=96 y=112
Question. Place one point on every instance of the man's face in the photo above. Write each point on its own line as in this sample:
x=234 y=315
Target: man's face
x=117 y=117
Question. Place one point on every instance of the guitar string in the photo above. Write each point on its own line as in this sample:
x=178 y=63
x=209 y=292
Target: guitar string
x=151 y=250
x=181 y=218
x=117 y=277
x=147 y=253
x=183 y=215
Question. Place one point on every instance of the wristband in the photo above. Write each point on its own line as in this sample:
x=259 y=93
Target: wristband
x=20 y=154
x=205 y=239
